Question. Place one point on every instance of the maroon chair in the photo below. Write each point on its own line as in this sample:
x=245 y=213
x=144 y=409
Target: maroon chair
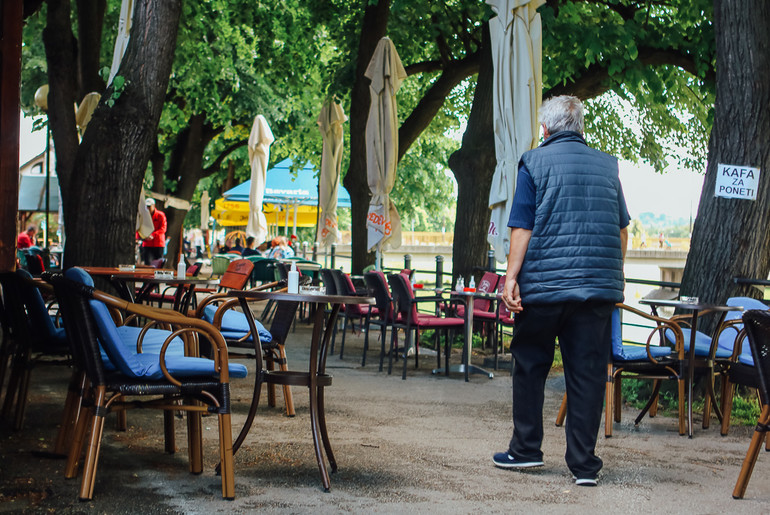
x=408 y=319
x=378 y=288
x=352 y=312
x=483 y=309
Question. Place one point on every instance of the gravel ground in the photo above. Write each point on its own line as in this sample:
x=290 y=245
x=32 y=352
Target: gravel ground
x=424 y=444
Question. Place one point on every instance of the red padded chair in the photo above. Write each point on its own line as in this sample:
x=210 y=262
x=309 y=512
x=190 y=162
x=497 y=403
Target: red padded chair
x=408 y=319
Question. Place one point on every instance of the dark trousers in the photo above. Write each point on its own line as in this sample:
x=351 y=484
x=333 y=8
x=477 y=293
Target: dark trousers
x=150 y=254
x=583 y=332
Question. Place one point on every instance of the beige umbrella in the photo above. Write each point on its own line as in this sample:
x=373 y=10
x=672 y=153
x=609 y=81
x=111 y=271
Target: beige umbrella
x=516 y=35
x=260 y=140
x=386 y=74
x=330 y=123
x=144 y=225
x=121 y=39
x=86 y=109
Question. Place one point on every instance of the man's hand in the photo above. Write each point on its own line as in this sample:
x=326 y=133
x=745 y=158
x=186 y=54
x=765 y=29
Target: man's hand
x=511 y=296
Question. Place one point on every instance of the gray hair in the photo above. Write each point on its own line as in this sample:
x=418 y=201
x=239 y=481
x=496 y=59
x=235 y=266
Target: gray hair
x=562 y=113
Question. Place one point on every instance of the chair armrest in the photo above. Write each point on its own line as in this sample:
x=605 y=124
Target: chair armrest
x=658 y=332
x=189 y=329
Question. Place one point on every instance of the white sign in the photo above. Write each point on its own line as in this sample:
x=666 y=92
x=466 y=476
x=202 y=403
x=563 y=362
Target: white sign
x=735 y=181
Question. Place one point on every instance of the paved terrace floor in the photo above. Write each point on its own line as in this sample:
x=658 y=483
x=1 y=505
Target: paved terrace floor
x=420 y=445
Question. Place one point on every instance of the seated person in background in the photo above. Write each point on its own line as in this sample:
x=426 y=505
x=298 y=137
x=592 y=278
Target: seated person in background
x=281 y=248
x=27 y=238
x=237 y=247
x=249 y=250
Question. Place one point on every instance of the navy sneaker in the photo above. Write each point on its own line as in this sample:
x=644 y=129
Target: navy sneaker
x=506 y=461
x=585 y=481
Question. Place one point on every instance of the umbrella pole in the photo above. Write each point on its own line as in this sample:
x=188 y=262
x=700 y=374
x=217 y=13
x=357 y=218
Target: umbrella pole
x=378 y=260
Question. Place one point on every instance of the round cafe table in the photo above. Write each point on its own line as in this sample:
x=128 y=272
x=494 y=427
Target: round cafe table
x=314 y=378
x=695 y=308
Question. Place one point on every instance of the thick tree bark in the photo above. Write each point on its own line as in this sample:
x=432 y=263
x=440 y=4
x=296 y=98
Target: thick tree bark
x=473 y=166
x=430 y=104
x=61 y=56
x=731 y=236
x=90 y=23
x=100 y=214
x=373 y=28
x=186 y=170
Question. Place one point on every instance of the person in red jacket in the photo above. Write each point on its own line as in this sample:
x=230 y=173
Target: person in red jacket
x=153 y=245
x=27 y=238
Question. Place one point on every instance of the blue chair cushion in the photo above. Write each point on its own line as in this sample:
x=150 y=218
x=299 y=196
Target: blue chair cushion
x=631 y=352
x=183 y=366
x=121 y=349
x=234 y=324
x=746 y=358
x=42 y=323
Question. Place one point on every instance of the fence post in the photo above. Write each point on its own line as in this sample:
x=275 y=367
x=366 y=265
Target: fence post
x=304 y=249
x=315 y=251
x=491 y=265
x=332 y=255
x=439 y=271
x=408 y=261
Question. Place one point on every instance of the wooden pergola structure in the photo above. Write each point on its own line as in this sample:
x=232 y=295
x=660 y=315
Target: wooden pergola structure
x=10 y=79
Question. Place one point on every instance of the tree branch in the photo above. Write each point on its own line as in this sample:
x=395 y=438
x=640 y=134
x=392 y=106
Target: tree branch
x=424 y=67
x=226 y=152
x=421 y=116
x=596 y=80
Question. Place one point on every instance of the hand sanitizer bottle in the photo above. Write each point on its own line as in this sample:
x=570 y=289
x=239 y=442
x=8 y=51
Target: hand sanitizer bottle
x=293 y=286
x=181 y=269
x=472 y=283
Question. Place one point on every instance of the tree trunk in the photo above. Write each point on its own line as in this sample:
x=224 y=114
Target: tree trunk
x=473 y=166
x=373 y=28
x=730 y=238
x=116 y=148
x=90 y=23
x=186 y=170
x=60 y=50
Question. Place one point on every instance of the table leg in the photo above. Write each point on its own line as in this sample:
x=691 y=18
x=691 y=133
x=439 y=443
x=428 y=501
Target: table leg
x=466 y=367
x=691 y=370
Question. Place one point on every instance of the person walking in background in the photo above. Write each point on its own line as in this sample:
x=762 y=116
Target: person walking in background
x=27 y=238
x=154 y=244
x=569 y=231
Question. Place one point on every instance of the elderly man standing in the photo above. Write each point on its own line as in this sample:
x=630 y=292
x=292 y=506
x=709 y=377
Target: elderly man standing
x=565 y=273
x=153 y=245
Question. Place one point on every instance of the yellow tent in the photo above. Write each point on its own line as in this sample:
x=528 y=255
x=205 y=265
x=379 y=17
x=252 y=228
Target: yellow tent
x=229 y=213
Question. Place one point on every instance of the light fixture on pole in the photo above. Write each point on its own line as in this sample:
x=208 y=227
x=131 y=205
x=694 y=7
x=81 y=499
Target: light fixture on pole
x=41 y=100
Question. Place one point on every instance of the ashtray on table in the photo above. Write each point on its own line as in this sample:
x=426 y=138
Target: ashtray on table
x=312 y=290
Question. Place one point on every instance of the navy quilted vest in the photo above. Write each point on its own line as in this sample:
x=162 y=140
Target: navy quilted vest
x=574 y=254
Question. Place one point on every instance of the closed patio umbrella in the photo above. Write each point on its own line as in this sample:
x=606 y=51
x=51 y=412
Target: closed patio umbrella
x=516 y=35
x=330 y=123
x=386 y=74
x=260 y=140
x=121 y=39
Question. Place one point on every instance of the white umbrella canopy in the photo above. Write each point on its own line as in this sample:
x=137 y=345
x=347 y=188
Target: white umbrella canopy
x=517 y=54
x=260 y=139
x=121 y=40
x=205 y=210
x=330 y=123
x=386 y=74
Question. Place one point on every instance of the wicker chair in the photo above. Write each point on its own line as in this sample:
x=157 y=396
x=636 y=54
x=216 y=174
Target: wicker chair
x=164 y=380
x=220 y=311
x=757 y=323
x=34 y=339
